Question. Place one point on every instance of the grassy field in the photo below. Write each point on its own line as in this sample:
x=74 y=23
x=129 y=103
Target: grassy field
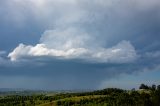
x=75 y=99
x=150 y=96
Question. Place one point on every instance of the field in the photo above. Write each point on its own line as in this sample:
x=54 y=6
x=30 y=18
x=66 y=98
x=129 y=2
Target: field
x=149 y=96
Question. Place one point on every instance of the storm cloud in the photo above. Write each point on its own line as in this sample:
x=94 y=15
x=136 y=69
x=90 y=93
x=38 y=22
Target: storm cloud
x=83 y=42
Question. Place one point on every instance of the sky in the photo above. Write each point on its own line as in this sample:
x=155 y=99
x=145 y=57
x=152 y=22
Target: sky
x=79 y=44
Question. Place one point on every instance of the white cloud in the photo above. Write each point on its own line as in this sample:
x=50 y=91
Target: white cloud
x=65 y=38
x=121 y=53
x=41 y=50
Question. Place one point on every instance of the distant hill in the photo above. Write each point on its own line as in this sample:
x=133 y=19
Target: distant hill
x=11 y=89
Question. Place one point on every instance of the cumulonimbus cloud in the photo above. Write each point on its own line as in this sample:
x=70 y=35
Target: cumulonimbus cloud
x=106 y=32
x=70 y=38
x=72 y=44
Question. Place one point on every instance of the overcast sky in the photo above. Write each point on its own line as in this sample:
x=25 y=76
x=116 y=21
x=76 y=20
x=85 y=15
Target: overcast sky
x=79 y=44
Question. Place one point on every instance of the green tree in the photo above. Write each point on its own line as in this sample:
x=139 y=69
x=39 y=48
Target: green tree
x=143 y=86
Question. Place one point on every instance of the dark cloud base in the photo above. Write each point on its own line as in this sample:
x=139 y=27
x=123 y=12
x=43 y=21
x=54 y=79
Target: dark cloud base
x=69 y=74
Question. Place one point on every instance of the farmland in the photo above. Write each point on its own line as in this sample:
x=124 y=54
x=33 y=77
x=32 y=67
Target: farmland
x=145 y=96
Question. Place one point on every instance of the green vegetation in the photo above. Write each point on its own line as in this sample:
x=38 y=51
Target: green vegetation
x=146 y=96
